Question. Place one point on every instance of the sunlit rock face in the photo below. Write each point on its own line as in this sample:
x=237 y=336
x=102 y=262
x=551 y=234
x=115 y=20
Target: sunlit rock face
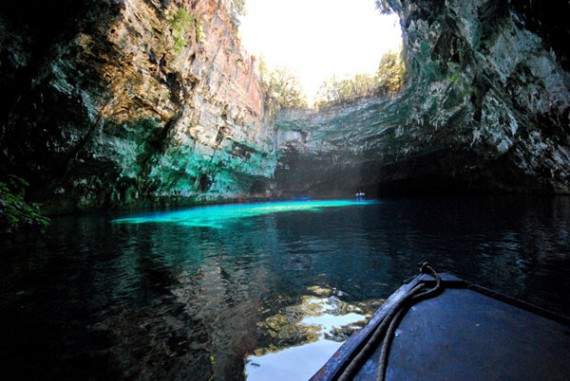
x=113 y=103
x=486 y=108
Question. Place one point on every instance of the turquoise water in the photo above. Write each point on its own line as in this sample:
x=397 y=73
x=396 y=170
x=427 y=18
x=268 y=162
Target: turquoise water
x=190 y=294
x=219 y=216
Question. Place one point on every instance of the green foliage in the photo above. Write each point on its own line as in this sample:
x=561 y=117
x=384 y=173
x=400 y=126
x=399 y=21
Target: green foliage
x=391 y=72
x=337 y=90
x=387 y=81
x=282 y=88
x=182 y=24
x=15 y=212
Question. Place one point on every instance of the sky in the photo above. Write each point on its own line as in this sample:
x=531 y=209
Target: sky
x=319 y=38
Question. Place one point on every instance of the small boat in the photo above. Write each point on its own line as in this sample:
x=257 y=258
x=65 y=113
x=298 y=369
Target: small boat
x=440 y=327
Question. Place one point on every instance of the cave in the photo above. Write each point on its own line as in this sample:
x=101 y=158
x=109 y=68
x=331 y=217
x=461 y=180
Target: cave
x=118 y=115
x=91 y=93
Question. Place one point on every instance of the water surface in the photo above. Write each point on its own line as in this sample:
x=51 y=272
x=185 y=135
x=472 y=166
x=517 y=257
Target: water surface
x=139 y=299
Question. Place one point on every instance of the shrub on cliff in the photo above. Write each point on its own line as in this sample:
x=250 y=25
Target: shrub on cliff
x=282 y=88
x=338 y=90
x=387 y=81
x=183 y=23
x=391 y=73
x=15 y=212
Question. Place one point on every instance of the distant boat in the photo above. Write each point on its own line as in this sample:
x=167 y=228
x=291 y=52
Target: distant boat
x=360 y=196
x=439 y=327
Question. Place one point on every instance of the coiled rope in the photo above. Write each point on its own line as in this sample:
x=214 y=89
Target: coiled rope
x=384 y=332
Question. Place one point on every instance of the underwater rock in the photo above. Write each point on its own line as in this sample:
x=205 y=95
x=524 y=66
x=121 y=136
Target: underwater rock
x=302 y=337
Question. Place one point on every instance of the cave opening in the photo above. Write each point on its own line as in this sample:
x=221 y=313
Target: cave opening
x=147 y=112
x=312 y=56
x=317 y=44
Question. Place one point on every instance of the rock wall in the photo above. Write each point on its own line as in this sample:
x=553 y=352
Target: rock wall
x=486 y=108
x=123 y=102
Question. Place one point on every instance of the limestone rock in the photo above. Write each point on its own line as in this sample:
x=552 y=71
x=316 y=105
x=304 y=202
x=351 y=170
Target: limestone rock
x=135 y=100
x=486 y=108
x=113 y=103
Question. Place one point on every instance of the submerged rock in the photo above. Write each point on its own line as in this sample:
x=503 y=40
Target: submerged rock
x=302 y=337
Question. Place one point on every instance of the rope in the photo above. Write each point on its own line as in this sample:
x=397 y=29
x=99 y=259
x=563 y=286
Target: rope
x=387 y=343
x=384 y=332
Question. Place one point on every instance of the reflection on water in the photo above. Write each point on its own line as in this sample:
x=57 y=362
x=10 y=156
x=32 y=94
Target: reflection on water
x=304 y=336
x=99 y=300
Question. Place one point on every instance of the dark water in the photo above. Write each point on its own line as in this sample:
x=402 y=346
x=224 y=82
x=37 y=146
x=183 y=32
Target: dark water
x=92 y=300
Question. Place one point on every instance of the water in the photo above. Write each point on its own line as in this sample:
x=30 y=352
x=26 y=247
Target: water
x=96 y=300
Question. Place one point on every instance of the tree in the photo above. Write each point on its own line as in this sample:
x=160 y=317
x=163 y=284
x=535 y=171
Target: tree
x=387 y=81
x=15 y=212
x=391 y=72
x=282 y=88
x=336 y=90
